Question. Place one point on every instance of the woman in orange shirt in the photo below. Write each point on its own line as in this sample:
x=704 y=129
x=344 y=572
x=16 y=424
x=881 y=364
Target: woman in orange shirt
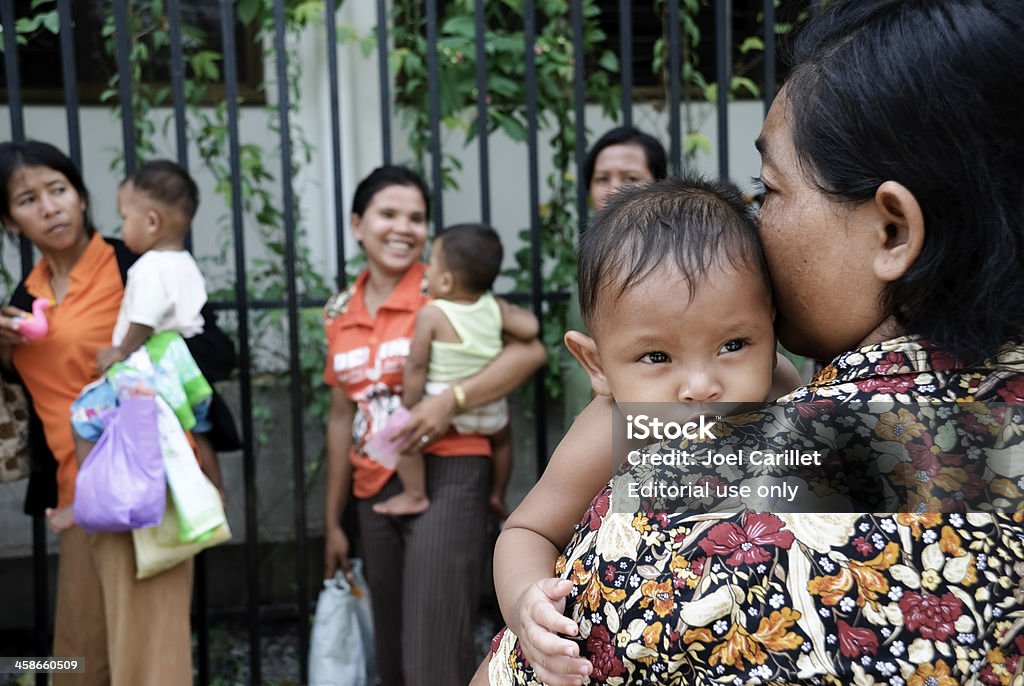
x=424 y=571
x=127 y=631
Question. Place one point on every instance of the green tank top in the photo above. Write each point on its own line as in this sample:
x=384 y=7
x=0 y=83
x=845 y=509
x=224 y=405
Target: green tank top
x=479 y=328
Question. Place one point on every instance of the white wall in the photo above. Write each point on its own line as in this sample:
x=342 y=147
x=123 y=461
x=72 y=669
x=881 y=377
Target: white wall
x=361 y=152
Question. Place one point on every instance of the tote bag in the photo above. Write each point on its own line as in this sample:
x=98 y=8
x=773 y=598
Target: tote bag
x=341 y=649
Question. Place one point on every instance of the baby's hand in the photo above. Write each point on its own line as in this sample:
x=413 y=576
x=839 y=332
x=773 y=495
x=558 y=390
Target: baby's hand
x=107 y=357
x=555 y=660
x=60 y=520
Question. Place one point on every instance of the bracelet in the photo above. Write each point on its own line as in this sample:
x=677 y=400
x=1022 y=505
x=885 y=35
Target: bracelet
x=460 y=397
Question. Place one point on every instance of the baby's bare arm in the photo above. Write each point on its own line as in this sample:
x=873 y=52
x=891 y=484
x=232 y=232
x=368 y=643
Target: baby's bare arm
x=517 y=322
x=414 y=374
x=535 y=534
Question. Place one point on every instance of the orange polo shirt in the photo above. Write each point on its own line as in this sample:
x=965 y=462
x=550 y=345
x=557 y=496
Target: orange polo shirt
x=365 y=357
x=57 y=366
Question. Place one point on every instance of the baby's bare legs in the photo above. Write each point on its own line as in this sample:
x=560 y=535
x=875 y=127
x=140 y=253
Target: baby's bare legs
x=413 y=499
x=501 y=452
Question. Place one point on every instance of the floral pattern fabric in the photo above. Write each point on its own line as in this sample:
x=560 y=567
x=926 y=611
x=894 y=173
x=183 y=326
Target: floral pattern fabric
x=924 y=597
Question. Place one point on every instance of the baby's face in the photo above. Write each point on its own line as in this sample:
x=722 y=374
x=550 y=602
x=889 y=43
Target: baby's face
x=656 y=344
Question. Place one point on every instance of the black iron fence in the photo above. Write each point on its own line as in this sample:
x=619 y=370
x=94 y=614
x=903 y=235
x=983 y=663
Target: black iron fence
x=715 y=19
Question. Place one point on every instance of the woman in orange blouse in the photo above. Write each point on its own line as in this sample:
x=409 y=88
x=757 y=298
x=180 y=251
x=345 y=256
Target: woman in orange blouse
x=424 y=571
x=128 y=632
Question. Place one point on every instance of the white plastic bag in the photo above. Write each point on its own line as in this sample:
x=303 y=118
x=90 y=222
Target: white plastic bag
x=341 y=646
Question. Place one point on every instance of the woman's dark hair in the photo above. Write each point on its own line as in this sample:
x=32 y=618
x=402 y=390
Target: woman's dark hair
x=382 y=177
x=18 y=155
x=930 y=94
x=695 y=224
x=473 y=253
x=657 y=160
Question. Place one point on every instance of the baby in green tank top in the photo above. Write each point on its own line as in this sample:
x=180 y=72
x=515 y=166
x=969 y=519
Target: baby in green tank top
x=458 y=334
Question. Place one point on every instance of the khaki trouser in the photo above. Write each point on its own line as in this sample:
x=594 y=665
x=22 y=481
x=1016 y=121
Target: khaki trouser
x=129 y=633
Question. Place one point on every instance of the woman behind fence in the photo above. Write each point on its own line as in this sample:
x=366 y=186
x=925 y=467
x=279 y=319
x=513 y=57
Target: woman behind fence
x=623 y=156
x=893 y=226
x=424 y=572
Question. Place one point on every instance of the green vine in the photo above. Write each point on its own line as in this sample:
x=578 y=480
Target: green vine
x=506 y=111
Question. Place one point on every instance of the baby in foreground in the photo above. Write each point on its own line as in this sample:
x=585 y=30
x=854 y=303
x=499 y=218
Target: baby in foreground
x=675 y=292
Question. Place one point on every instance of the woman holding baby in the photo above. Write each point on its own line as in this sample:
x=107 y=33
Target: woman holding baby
x=893 y=231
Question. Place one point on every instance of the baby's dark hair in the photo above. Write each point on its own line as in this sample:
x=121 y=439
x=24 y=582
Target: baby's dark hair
x=694 y=223
x=473 y=253
x=167 y=183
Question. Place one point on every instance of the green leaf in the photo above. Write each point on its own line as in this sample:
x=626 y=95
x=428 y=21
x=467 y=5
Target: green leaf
x=752 y=43
x=609 y=61
x=247 y=10
x=512 y=127
x=745 y=83
x=464 y=26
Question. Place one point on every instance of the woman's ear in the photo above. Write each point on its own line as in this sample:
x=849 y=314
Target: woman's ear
x=11 y=227
x=353 y=223
x=584 y=349
x=901 y=234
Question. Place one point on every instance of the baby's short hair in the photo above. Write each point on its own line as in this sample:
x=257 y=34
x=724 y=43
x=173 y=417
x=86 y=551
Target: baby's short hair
x=473 y=253
x=692 y=222
x=167 y=183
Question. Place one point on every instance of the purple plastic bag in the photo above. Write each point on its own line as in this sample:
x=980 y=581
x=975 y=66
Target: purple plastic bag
x=121 y=485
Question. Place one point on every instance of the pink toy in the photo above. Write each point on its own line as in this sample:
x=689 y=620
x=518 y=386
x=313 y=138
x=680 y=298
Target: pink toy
x=382 y=447
x=33 y=326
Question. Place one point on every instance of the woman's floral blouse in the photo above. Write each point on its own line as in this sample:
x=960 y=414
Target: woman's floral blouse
x=918 y=598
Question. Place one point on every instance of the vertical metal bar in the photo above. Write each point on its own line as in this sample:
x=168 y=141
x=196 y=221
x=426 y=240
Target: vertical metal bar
x=15 y=106
x=70 y=81
x=178 y=80
x=723 y=51
x=40 y=563
x=14 y=103
x=294 y=368
x=40 y=586
x=434 y=107
x=481 y=110
x=768 y=90
x=124 y=83
x=536 y=258
x=227 y=25
x=579 y=91
x=674 y=76
x=385 y=79
x=201 y=623
x=626 y=59
x=339 y=198
x=181 y=141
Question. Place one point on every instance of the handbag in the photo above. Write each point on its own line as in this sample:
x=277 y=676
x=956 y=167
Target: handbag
x=121 y=485
x=160 y=547
x=14 y=451
x=341 y=651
